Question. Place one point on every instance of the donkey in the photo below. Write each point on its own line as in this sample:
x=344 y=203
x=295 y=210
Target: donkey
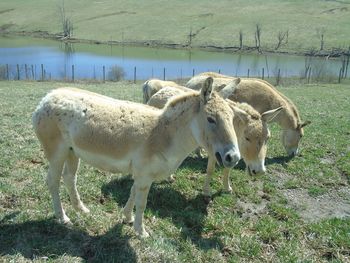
x=128 y=137
x=250 y=127
x=151 y=86
x=263 y=97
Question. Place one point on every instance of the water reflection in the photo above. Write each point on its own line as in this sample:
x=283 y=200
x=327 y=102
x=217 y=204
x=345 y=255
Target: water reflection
x=58 y=58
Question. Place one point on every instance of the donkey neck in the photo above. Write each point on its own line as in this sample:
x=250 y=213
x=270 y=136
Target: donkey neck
x=173 y=136
x=289 y=117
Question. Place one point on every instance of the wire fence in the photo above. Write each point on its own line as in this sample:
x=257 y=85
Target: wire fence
x=117 y=73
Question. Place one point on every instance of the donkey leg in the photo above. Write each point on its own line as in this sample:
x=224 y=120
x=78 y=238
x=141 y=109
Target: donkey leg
x=70 y=180
x=226 y=181
x=141 y=193
x=210 y=171
x=53 y=183
x=127 y=211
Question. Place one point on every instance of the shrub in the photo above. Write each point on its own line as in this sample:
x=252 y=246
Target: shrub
x=116 y=73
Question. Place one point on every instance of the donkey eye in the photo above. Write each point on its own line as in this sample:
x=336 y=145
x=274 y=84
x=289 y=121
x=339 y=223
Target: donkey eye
x=211 y=120
x=247 y=139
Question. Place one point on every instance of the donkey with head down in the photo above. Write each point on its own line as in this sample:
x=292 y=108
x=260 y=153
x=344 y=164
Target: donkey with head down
x=127 y=137
x=151 y=86
x=250 y=127
x=263 y=97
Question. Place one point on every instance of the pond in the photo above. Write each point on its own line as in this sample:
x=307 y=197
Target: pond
x=37 y=58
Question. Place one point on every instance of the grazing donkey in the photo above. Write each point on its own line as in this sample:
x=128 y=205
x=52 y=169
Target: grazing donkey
x=263 y=97
x=151 y=86
x=128 y=137
x=250 y=127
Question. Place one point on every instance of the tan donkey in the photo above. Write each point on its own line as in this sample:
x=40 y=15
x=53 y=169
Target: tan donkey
x=263 y=97
x=250 y=127
x=151 y=86
x=127 y=137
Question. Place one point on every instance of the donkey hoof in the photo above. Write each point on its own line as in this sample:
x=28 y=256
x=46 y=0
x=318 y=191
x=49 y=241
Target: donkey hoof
x=64 y=220
x=128 y=220
x=84 y=209
x=144 y=234
x=228 y=190
x=171 y=178
x=207 y=193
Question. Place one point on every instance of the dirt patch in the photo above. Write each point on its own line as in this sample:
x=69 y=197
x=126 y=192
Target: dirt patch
x=334 y=203
x=111 y=14
x=6 y=10
x=250 y=210
x=9 y=201
x=4 y=27
x=335 y=10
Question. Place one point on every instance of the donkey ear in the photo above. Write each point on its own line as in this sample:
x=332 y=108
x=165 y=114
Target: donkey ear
x=241 y=114
x=268 y=116
x=207 y=89
x=303 y=124
x=229 y=89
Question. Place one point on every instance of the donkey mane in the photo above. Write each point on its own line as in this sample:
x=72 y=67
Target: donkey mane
x=172 y=104
x=288 y=101
x=250 y=110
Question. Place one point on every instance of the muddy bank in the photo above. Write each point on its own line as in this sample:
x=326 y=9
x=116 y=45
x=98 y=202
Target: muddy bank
x=333 y=53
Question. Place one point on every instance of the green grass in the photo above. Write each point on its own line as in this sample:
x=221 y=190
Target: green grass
x=262 y=221
x=215 y=23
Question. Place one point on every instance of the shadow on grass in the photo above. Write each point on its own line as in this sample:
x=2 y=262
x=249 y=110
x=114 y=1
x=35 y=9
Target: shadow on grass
x=187 y=214
x=48 y=239
x=200 y=164
x=278 y=160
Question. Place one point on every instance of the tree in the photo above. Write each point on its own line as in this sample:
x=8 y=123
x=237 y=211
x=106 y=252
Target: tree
x=258 y=37
x=240 y=39
x=320 y=35
x=67 y=25
x=282 y=38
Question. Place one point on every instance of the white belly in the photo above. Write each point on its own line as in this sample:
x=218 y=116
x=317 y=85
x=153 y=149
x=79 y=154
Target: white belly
x=105 y=163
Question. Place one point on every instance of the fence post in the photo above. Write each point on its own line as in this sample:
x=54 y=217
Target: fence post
x=263 y=73
x=347 y=65
x=42 y=72
x=340 y=74
x=135 y=75
x=278 y=77
x=163 y=73
x=18 y=77
x=219 y=71
x=33 y=72
x=104 y=73
x=26 y=71
x=192 y=72
x=73 y=73
x=309 y=76
x=248 y=72
x=7 y=72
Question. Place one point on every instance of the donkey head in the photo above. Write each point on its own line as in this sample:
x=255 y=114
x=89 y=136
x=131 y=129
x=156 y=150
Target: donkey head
x=291 y=138
x=253 y=134
x=214 y=128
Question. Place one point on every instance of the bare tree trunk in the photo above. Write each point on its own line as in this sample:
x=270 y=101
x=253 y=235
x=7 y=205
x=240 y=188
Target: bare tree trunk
x=258 y=37
x=67 y=25
x=240 y=39
x=320 y=35
x=282 y=38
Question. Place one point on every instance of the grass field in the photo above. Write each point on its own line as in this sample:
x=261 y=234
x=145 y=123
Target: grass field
x=213 y=23
x=298 y=212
